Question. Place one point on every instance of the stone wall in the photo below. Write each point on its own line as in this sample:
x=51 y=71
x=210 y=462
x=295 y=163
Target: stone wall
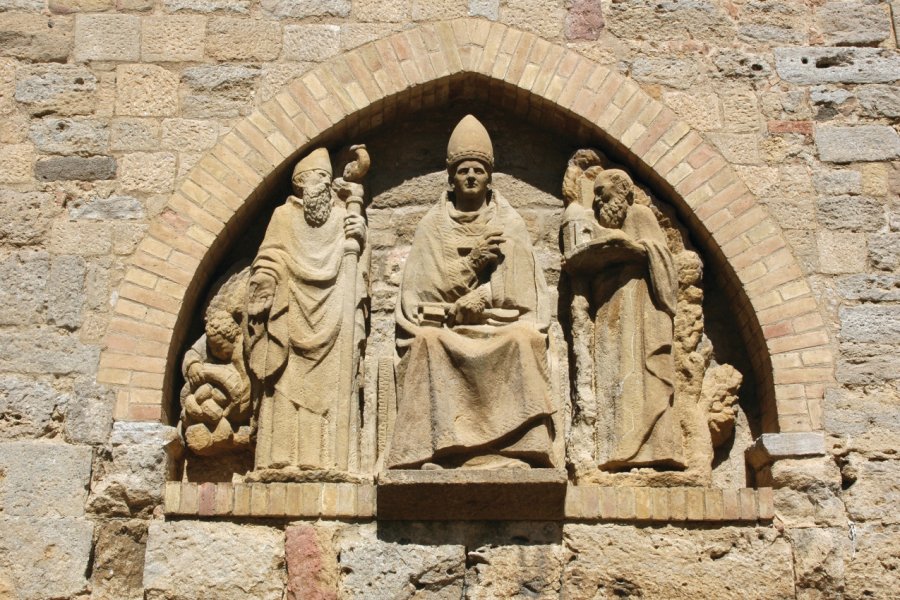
x=106 y=106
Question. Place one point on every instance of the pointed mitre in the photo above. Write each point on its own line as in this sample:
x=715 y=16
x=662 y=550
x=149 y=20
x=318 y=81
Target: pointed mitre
x=470 y=141
x=317 y=159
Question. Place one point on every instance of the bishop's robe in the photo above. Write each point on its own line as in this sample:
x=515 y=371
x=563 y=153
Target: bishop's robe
x=472 y=390
x=634 y=369
x=294 y=355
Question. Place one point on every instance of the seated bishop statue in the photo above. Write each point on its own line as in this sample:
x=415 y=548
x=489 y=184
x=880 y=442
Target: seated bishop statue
x=472 y=317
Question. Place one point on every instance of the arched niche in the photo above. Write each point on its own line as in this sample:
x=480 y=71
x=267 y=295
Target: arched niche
x=436 y=69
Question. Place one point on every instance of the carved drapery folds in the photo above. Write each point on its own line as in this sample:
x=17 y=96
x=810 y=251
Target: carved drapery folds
x=472 y=383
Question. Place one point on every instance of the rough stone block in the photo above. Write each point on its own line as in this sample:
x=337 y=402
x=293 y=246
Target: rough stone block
x=228 y=561
x=700 y=111
x=107 y=37
x=853 y=213
x=44 y=479
x=119 y=561
x=501 y=494
x=23 y=297
x=867 y=420
x=870 y=323
x=142 y=459
x=740 y=64
x=24 y=217
x=837 y=181
x=207 y=6
x=857 y=144
x=82 y=136
x=868 y=363
x=622 y=560
x=542 y=17
x=112 y=208
x=89 y=415
x=29 y=408
x=23 y=5
x=854 y=23
x=151 y=172
x=56 y=89
x=836 y=65
x=871 y=570
x=869 y=287
x=584 y=20
x=297 y=9
x=375 y=569
x=65 y=168
x=884 y=251
x=505 y=571
x=133 y=134
x=489 y=9
x=841 y=252
x=76 y=6
x=83 y=239
x=49 y=556
x=146 y=91
x=311 y=42
x=380 y=11
x=172 y=38
x=66 y=291
x=672 y=72
x=16 y=162
x=879 y=101
x=435 y=10
x=874 y=491
x=218 y=90
x=231 y=38
x=819 y=559
x=189 y=135
x=637 y=19
x=43 y=351
x=311 y=559
x=35 y=37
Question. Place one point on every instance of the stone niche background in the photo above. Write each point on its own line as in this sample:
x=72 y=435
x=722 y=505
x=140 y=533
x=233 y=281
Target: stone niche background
x=532 y=147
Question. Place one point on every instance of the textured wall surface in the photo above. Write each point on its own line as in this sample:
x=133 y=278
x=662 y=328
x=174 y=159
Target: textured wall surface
x=107 y=105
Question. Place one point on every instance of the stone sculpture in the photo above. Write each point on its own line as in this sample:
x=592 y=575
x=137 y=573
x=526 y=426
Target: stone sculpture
x=304 y=321
x=472 y=316
x=215 y=399
x=625 y=290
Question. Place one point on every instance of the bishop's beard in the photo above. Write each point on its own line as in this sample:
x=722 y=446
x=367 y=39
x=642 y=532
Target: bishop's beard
x=317 y=204
x=611 y=214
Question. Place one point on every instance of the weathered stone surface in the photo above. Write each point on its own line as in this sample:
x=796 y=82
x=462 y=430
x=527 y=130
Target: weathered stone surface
x=542 y=17
x=841 y=252
x=151 y=172
x=879 y=101
x=870 y=287
x=836 y=65
x=44 y=351
x=868 y=363
x=189 y=135
x=584 y=20
x=74 y=6
x=24 y=297
x=529 y=571
x=107 y=37
x=44 y=479
x=306 y=8
x=871 y=570
x=701 y=111
x=875 y=490
x=81 y=238
x=119 y=561
x=35 y=37
x=870 y=323
x=853 y=213
x=434 y=10
x=819 y=558
x=311 y=557
x=855 y=144
x=740 y=64
x=89 y=416
x=311 y=42
x=380 y=11
x=884 y=250
x=673 y=72
x=837 y=181
x=141 y=459
x=48 y=556
x=25 y=5
x=132 y=134
x=81 y=136
x=231 y=38
x=79 y=168
x=807 y=492
x=376 y=570
x=56 y=89
x=113 y=207
x=669 y=562
x=29 y=408
x=172 y=38
x=207 y=6
x=146 y=91
x=854 y=23
x=66 y=291
x=24 y=217
x=218 y=90
x=668 y=21
x=15 y=163
x=228 y=561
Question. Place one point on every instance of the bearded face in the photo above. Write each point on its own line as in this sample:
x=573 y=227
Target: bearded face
x=315 y=189
x=610 y=202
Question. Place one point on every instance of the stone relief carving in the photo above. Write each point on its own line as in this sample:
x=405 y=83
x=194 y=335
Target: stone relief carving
x=472 y=316
x=640 y=354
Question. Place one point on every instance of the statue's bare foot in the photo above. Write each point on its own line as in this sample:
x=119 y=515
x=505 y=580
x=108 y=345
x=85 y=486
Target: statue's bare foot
x=494 y=461
x=431 y=467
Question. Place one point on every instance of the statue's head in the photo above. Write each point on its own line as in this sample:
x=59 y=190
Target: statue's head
x=470 y=159
x=311 y=183
x=613 y=194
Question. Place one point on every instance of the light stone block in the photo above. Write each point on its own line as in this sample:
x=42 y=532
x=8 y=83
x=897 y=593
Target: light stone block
x=23 y=299
x=232 y=38
x=841 y=252
x=218 y=90
x=871 y=323
x=16 y=163
x=852 y=213
x=36 y=38
x=114 y=207
x=311 y=42
x=672 y=72
x=146 y=91
x=489 y=9
x=857 y=143
x=150 y=172
x=23 y=5
x=29 y=405
x=172 y=38
x=810 y=66
x=380 y=11
x=207 y=6
x=75 y=6
x=44 y=479
x=298 y=9
x=189 y=135
x=228 y=561
x=55 y=135
x=541 y=17
x=854 y=23
x=130 y=134
x=56 y=89
x=884 y=250
x=24 y=217
x=107 y=37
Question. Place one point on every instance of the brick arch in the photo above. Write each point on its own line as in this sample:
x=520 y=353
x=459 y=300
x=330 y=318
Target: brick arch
x=778 y=314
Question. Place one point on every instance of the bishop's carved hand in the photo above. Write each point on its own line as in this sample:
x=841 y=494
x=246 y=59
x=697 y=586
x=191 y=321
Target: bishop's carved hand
x=486 y=252
x=468 y=310
x=355 y=227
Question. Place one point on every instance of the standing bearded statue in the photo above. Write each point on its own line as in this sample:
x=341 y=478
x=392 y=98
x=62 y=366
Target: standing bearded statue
x=296 y=304
x=472 y=316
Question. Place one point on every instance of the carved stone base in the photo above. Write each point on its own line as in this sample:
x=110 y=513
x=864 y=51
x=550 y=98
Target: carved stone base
x=297 y=475
x=469 y=494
